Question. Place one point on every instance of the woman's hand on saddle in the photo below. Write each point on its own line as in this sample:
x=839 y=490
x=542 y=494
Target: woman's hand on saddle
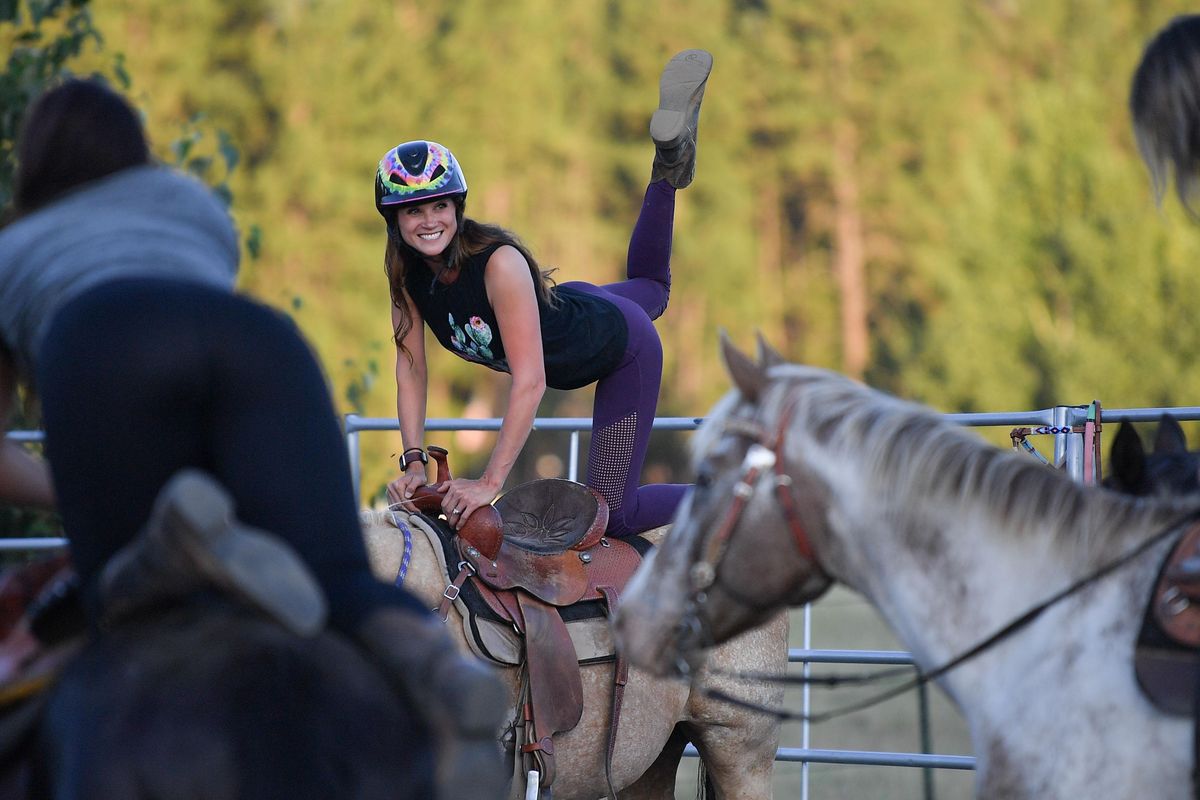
x=409 y=481
x=462 y=496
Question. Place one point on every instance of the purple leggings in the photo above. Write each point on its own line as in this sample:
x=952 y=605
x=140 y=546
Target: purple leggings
x=626 y=398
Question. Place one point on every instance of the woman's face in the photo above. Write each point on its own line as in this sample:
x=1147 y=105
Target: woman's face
x=428 y=227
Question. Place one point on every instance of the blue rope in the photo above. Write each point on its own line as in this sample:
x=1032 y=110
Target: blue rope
x=407 y=557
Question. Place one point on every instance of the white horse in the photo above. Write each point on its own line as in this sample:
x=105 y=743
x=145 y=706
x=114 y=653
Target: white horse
x=806 y=477
x=659 y=715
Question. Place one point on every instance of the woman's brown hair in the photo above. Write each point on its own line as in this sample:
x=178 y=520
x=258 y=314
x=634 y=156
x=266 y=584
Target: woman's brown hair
x=73 y=134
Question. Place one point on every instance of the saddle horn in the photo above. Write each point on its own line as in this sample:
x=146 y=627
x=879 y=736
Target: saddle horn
x=483 y=529
x=441 y=456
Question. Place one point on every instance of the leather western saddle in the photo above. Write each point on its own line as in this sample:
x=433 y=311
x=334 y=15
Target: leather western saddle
x=537 y=551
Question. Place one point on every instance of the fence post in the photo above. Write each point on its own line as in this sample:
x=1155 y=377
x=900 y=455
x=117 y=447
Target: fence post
x=352 y=449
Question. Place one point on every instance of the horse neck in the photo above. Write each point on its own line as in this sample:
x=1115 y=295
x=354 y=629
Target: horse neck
x=424 y=577
x=946 y=570
x=929 y=575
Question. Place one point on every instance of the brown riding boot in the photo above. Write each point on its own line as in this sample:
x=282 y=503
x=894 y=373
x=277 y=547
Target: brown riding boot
x=462 y=700
x=193 y=540
x=673 y=126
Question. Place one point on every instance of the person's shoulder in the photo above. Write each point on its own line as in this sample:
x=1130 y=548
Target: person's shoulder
x=504 y=253
x=168 y=179
x=506 y=261
x=146 y=186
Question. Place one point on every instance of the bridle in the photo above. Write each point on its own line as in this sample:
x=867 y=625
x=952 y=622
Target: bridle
x=765 y=455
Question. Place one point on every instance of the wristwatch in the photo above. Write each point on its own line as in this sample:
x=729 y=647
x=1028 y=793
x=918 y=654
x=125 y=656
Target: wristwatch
x=410 y=455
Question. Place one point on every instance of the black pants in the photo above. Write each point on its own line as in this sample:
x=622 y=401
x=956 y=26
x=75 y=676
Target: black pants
x=139 y=378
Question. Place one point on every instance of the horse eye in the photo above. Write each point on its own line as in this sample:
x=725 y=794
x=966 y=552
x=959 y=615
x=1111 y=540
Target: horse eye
x=703 y=478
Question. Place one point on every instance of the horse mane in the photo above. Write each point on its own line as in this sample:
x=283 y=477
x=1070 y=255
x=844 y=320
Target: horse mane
x=903 y=450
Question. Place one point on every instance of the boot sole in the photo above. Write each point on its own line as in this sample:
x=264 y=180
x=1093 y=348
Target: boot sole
x=255 y=565
x=680 y=91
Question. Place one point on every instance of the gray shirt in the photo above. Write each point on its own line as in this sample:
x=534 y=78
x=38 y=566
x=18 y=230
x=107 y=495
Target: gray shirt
x=142 y=222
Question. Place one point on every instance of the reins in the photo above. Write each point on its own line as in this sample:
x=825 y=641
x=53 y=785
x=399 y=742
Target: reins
x=925 y=677
x=762 y=456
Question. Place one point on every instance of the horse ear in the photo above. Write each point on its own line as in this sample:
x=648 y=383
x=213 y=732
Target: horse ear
x=1127 y=460
x=749 y=378
x=1170 y=437
x=768 y=356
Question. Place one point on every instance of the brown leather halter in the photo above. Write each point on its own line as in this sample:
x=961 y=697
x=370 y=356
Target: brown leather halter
x=763 y=455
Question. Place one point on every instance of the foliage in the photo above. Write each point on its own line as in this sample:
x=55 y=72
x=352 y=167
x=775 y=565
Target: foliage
x=962 y=174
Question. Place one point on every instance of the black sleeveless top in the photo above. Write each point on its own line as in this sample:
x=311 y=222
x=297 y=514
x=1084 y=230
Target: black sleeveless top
x=583 y=336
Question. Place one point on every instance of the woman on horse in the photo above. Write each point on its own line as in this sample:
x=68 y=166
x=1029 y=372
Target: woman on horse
x=117 y=306
x=486 y=299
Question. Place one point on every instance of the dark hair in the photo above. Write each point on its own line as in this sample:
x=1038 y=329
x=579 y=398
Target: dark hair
x=1164 y=100
x=472 y=237
x=75 y=133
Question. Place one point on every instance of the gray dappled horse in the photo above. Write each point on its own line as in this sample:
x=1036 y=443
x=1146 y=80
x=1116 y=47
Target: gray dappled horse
x=805 y=477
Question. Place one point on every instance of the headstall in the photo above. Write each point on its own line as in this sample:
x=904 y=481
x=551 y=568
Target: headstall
x=763 y=455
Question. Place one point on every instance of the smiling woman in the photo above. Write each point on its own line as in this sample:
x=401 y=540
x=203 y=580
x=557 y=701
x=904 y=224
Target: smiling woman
x=486 y=299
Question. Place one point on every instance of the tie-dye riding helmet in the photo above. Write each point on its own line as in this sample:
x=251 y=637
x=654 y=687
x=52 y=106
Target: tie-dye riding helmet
x=415 y=172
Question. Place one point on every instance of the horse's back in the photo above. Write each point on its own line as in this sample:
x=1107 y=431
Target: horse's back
x=209 y=703
x=739 y=746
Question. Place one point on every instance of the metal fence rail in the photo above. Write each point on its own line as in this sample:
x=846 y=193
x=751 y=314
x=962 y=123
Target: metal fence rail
x=1068 y=452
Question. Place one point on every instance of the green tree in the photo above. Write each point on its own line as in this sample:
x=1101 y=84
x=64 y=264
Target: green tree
x=942 y=197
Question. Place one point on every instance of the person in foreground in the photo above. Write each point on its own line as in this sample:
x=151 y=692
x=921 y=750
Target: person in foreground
x=169 y=403
x=486 y=299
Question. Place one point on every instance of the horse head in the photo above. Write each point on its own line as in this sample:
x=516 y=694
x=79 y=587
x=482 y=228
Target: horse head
x=1168 y=469
x=741 y=543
